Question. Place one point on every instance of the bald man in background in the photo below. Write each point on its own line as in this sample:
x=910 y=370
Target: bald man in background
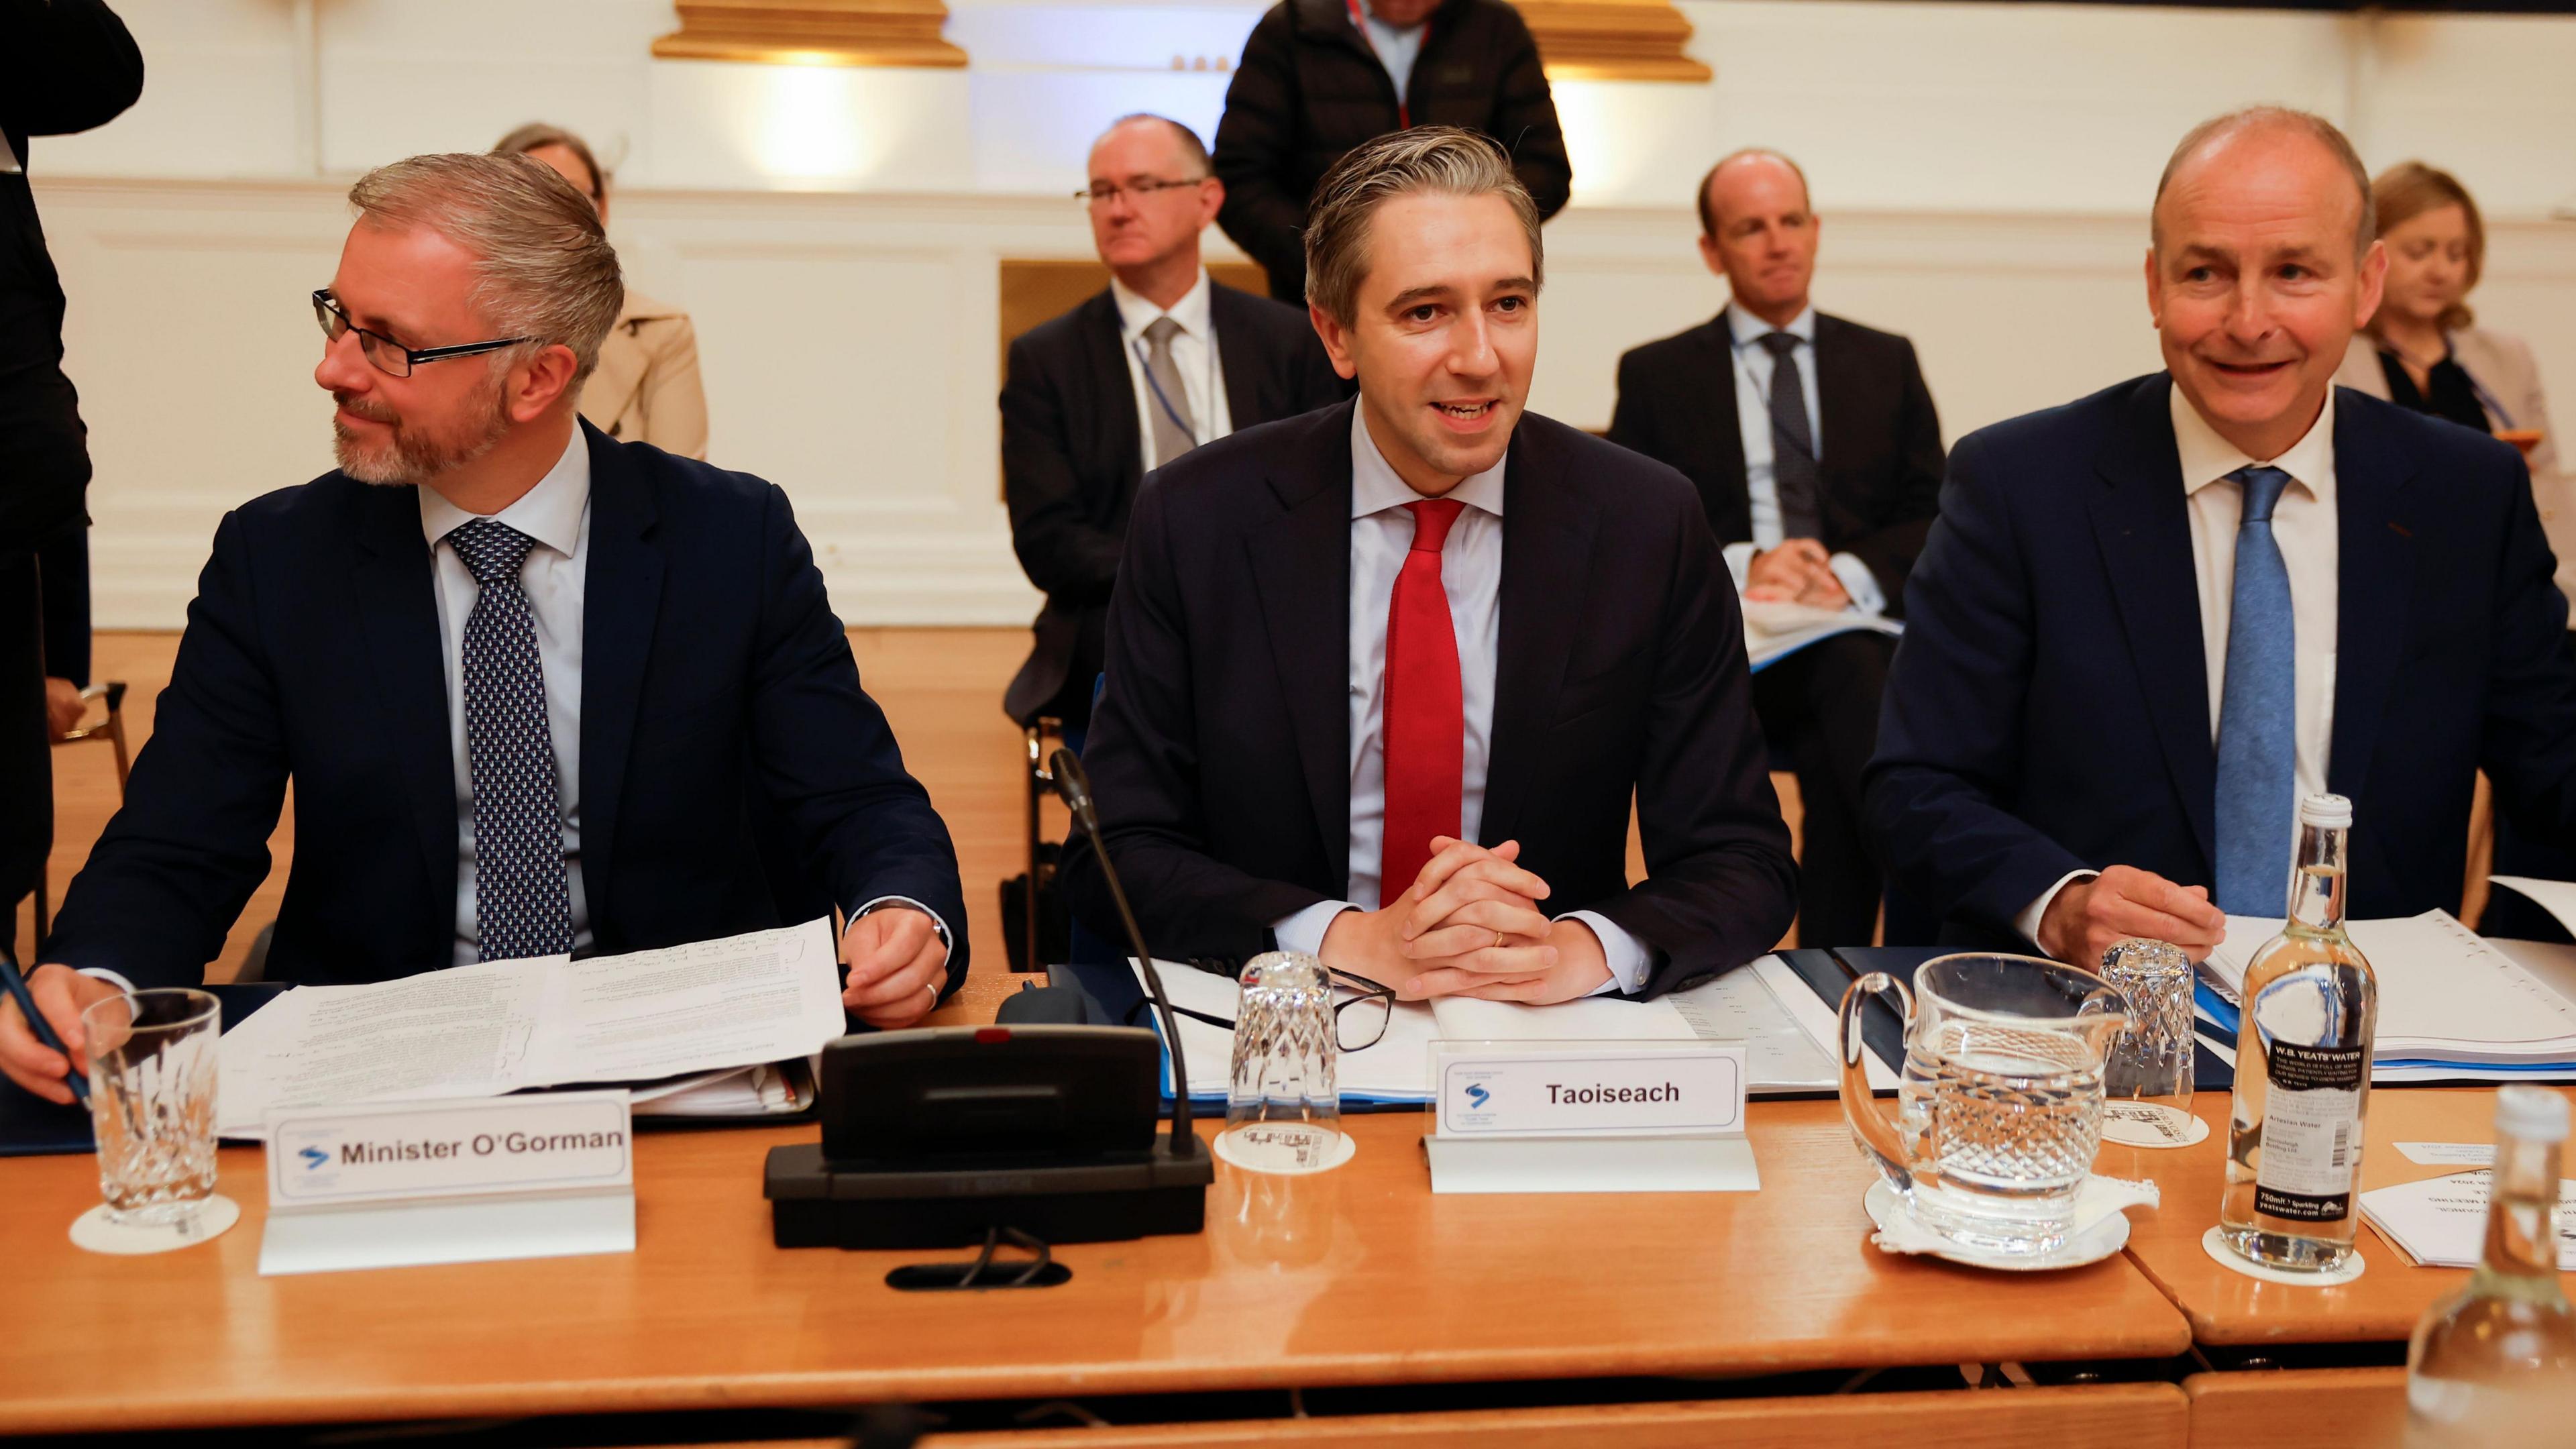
x=2147 y=622
x=1817 y=454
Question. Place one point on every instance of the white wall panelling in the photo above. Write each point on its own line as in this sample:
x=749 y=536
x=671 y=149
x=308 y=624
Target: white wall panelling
x=1982 y=168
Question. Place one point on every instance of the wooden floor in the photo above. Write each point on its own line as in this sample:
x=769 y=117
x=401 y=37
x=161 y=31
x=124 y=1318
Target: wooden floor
x=942 y=688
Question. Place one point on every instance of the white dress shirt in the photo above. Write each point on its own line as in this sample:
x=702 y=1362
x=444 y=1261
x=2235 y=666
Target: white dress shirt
x=1397 y=47
x=1471 y=574
x=2303 y=524
x=1194 y=356
x=1753 y=368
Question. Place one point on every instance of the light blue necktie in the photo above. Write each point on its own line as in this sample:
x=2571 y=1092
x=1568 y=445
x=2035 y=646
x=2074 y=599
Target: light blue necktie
x=2257 y=720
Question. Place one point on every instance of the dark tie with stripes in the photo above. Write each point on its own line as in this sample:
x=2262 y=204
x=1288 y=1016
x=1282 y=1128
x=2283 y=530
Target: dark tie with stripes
x=1793 y=446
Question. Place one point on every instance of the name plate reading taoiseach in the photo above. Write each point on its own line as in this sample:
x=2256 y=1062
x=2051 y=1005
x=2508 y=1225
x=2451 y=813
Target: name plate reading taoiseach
x=1647 y=1116
x=397 y=1184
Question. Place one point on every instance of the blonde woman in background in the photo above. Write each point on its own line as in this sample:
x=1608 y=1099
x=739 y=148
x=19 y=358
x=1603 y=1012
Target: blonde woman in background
x=646 y=388
x=2423 y=351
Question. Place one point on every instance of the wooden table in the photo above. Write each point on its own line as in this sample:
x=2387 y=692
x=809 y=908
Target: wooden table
x=2228 y=1308
x=1360 y=1276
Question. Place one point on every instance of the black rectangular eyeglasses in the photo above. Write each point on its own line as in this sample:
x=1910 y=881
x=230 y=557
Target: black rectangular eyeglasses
x=1361 y=1010
x=389 y=356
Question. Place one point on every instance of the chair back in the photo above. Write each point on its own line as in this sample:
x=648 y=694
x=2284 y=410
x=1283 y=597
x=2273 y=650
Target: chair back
x=26 y=757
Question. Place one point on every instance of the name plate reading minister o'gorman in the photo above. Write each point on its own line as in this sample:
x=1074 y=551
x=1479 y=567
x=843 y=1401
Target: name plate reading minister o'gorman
x=387 y=1184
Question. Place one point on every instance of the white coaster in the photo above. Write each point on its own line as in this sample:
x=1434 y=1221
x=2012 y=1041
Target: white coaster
x=1289 y=1153
x=2138 y=1124
x=2214 y=1243
x=92 y=1230
x=1898 y=1232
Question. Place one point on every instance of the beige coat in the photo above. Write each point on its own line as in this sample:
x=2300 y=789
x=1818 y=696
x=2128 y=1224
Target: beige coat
x=2509 y=381
x=646 y=387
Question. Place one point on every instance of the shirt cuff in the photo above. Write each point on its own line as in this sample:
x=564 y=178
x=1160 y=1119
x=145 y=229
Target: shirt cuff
x=947 y=942
x=1630 y=962
x=1739 y=560
x=1859 y=582
x=2028 y=921
x=1304 y=930
x=112 y=978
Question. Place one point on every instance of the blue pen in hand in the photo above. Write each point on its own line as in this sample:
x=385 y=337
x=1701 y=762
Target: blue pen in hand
x=36 y=1022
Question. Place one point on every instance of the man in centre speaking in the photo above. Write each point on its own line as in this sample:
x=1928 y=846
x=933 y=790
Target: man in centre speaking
x=1383 y=679
x=529 y=683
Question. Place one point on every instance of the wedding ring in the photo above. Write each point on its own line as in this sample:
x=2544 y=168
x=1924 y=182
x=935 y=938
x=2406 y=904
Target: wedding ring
x=1498 y=940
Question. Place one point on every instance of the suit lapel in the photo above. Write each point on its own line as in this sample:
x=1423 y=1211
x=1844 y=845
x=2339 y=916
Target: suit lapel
x=1724 y=438
x=621 y=598
x=2142 y=523
x=1241 y=358
x=1547 y=547
x=1301 y=567
x=1838 y=384
x=396 y=600
x=2375 y=586
x=1121 y=445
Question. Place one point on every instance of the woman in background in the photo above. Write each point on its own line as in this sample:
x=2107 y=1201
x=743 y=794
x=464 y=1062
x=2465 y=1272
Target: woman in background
x=2422 y=351
x=646 y=387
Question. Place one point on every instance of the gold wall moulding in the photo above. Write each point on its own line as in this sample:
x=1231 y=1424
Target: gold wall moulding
x=812 y=32
x=1611 y=40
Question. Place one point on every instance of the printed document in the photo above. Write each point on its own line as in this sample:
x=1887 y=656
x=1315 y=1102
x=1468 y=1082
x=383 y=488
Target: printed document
x=2447 y=997
x=2441 y=1222
x=498 y=1026
x=1739 y=1006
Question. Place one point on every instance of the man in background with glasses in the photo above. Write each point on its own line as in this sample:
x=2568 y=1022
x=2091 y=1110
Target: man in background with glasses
x=1160 y=362
x=528 y=682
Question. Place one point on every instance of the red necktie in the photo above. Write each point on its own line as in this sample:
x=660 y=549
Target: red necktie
x=1426 y=719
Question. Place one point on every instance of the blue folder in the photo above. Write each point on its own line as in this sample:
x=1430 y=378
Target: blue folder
x=1828 y=972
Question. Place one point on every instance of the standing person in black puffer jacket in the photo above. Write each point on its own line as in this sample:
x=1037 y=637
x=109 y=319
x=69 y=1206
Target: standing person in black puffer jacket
x=1319 y=77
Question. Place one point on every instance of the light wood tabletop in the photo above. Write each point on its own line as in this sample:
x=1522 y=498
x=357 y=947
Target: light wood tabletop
x=1359 y=1276
x=2229 y=1308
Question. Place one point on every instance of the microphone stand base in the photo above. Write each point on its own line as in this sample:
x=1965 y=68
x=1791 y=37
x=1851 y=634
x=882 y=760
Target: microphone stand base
x=816 y=1203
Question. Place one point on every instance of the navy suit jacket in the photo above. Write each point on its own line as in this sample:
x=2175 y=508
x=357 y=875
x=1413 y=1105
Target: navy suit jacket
x=1220 y=756
x=2048 y=709
x=715 y=683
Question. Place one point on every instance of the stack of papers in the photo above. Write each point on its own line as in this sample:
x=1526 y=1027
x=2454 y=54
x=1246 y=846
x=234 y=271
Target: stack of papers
x=2451 y=1005
x=2441 y=1222
x=714 y=1007
x=1774 y=629
x=1741 y=1006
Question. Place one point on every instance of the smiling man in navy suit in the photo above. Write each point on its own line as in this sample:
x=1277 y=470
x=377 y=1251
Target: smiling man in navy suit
x=530 y=684
x=1384 y=678
x=2148 y=621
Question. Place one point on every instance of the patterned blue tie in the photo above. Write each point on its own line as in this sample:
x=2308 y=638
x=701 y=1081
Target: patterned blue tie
x=520 y=908
x=2257 y=721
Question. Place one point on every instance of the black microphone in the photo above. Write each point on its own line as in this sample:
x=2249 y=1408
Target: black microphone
x=1075 y=787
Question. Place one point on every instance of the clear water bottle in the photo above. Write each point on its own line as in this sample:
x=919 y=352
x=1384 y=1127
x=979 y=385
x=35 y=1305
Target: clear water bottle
x=2494 y=1364
x=2302 y=1069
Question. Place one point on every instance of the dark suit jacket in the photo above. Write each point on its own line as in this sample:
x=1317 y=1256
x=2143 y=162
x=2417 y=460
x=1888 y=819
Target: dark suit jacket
x=2048 y=709
x=1309 y=89
x=1071 y=457
x=1881 y=439
x=65 y=66
x=1220 y=756
x=714 y=677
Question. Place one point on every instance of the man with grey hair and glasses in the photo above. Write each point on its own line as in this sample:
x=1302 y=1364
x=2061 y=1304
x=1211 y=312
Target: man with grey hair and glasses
x=1156 y=363
x=529 y=683
x=2148 y=622
x=1384 y=678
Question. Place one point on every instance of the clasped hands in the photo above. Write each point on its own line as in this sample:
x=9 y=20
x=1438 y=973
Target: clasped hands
x=1470 y=925
x=1799 y=571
